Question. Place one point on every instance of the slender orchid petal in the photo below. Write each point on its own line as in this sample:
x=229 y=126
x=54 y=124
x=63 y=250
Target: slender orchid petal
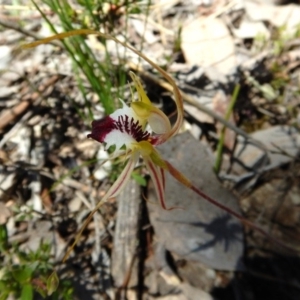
x=158 y=177
x=177 y=175
x=139 y=88
x=123 y=178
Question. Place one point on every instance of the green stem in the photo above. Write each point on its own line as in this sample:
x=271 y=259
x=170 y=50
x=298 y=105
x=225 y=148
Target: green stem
x=220 y=146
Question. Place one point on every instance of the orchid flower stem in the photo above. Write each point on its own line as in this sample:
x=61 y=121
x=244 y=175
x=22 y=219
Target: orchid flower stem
x=86 y=222
x=220 y=147
x=112 y=192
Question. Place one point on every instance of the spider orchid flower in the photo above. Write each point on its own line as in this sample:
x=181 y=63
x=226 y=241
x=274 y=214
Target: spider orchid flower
x=126 y=127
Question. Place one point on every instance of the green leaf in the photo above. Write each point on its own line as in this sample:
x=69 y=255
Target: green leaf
x=52 y=283
x=27 y=292
x=3 y=237
x=22 y=275
x=139 y=179
x=4 y=290
x=33 y=266
x=4 y=295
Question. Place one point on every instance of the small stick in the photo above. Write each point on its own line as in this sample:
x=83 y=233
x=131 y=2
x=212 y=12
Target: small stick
x=27 y=32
